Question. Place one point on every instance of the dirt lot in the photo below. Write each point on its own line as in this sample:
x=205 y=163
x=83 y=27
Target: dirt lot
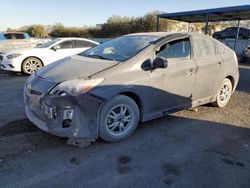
x=207 y=148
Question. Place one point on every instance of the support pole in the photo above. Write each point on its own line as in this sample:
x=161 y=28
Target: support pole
x=157 y=23
x=237 y=35
x=206 y=26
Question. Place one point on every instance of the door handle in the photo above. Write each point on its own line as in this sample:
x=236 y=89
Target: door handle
x=219 y=63
x=190 y=72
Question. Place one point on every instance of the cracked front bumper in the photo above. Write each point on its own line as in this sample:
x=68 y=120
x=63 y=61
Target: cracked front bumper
x=48 y=114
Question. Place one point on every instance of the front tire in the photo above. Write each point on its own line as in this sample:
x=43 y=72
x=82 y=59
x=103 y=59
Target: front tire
x=118 y=119
x=31 y=65
x=224 y=94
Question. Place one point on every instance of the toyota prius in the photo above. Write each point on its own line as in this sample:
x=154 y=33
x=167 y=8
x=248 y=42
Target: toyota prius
x=107 y=90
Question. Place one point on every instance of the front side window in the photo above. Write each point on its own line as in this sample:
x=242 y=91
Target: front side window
x=48 y=44
x=120 y=49
x=175 y=49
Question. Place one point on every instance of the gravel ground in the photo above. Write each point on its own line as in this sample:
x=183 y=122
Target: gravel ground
x=209 y=147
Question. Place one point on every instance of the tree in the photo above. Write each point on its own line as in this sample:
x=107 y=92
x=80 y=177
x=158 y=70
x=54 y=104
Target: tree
x=57 y=30
x=9 y=29
x=37 y=31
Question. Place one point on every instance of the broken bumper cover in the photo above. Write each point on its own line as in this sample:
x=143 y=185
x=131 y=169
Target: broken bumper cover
x=65 y=116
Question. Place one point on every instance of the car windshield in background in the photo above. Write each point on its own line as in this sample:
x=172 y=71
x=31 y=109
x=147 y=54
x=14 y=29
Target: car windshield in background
x=47 y=44
x=120 y=49
x=2 y=37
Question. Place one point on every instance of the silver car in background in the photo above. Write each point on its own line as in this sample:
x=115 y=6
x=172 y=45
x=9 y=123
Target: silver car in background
x=105 y=91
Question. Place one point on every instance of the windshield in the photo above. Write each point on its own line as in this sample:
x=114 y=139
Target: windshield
x=47 y=44
x=120 y=49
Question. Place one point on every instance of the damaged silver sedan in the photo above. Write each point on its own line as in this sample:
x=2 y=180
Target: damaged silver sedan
x=105 y=91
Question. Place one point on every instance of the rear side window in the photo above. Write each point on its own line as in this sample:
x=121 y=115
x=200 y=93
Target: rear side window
x=19 y=36
x=66 y=44
x=84 y=44
x=7 y=36
x=175 y=49
x=203 y=47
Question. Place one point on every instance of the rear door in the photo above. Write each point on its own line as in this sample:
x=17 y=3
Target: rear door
x=209 y=67
x=173 y=87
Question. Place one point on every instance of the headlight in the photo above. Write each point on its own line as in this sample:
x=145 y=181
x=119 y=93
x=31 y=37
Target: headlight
x=12 y=56
x=75 y=87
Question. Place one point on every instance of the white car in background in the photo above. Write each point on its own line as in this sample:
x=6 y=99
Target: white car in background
x=30 y=60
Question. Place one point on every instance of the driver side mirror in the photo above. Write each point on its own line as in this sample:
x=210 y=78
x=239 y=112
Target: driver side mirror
x=159 y=62
x=56 y=47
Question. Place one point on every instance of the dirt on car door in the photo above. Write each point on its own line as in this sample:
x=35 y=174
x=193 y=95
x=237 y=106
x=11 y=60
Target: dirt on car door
x=209 y=68
x=174 y=85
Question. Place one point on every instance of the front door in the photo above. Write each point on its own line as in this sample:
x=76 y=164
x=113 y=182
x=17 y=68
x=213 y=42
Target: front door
x=173 y=87
x=63 y=49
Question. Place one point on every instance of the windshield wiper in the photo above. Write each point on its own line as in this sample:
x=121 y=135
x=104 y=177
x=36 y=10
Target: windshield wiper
x=99 y=57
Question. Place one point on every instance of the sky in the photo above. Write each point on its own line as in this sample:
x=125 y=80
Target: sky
x=17 y=13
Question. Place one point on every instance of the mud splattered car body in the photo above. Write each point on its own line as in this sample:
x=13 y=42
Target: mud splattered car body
x=76 y=97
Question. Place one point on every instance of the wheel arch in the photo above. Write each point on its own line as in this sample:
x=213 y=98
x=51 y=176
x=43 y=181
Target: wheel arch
x=135 y=98
x=231 y=78
x=30 y=57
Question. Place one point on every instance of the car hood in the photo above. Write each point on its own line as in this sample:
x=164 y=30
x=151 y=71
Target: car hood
x=74 y=67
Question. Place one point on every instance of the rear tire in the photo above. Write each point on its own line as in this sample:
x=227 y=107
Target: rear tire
x=118 y=119
x=31 y=65
x=224 y=94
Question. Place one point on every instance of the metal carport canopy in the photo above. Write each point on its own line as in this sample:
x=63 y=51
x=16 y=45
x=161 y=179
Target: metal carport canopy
x=209 y=15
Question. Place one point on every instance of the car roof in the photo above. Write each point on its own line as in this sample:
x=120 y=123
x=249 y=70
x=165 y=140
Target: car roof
x=167 y=34
x=76 y=38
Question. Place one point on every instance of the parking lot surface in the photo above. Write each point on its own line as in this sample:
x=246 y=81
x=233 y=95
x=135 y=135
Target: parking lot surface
x=209 y=147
